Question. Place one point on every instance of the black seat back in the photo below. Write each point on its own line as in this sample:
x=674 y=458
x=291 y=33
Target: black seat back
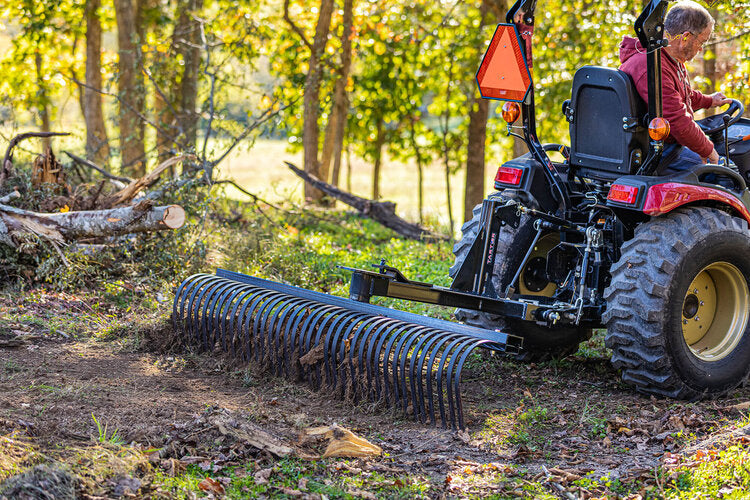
x=607 y=136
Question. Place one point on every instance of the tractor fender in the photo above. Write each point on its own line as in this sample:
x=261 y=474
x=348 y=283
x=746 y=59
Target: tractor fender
x=663 y=198
x=654 y=196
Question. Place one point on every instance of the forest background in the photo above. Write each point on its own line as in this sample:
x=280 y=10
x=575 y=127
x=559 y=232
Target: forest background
x=138 y=81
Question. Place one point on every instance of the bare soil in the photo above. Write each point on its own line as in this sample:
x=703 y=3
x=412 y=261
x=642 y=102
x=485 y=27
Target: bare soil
x=572 y=417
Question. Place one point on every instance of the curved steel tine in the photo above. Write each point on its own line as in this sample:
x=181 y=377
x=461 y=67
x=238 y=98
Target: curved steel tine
x=251 y=341
x=313 y=325
x=405 y=354
x=224 y=311
x=184 y=299
x=373 y=354
x=425 y=350
x=441 y=341
x=346 y=343
x=292 y=334
x=457 y=379
x=235 y=314
x=418 y=356
x=349 y=320
x=397 y=354
x=386 y=360
x=177 y=320
x=365 y=363
x=213 y=316
x=198 y=317
x=364 y=332
x=260 y=328
x=447 y=353
x=244 y=336
x=455 y=357
x=193 y=308
x=280 y=316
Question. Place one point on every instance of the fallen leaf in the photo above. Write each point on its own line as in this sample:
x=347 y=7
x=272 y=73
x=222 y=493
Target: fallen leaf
x=302 y=484
x=290 y=491
x=344 y=443
x=262 y=476
x=211 y=485
x=463 y=435
x=740 y=406
x=361 y=494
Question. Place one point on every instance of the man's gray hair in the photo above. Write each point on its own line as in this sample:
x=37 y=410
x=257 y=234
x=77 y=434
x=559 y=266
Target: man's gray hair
x=687 y=16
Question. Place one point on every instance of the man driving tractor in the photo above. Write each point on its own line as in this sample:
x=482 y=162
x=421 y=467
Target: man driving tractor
x=687 y=27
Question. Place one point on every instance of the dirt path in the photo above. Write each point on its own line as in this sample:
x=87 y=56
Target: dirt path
x=572 y=417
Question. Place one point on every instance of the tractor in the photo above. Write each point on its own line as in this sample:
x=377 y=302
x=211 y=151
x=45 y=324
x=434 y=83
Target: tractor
x=598 y=240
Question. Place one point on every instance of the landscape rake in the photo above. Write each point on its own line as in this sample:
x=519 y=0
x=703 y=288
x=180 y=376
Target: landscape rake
x=358 y=350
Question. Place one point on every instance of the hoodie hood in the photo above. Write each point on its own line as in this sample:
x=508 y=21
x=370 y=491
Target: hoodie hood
x=629 y=47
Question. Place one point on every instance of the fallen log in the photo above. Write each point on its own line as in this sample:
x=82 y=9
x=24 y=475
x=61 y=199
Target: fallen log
x=61 y=228
x=383 y=212
x=129 y=192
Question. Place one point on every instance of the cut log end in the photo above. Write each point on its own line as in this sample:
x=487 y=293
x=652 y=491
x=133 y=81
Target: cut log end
x=174 y=217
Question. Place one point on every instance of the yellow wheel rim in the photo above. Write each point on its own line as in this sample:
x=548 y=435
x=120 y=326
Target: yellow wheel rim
x=541 y=249
x=715 y=311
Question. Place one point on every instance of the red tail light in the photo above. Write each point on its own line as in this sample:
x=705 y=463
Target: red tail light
x=623 y=194
x=509 y=175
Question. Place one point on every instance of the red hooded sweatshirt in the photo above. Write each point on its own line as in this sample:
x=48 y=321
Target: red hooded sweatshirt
x=678 y=99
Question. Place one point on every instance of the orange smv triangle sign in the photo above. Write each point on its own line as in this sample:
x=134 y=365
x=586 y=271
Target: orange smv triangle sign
x=503 y=73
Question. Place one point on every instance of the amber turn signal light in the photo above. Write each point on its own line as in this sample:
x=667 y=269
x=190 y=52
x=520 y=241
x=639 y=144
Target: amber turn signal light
x=511 y=111
x=658 y=129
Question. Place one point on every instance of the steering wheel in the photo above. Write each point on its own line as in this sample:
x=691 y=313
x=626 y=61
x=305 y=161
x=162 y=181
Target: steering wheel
x=715 y=123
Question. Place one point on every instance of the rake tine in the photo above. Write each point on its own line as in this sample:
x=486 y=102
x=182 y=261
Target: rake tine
x=191 y=323
x=280 y=316
x=441 y=341
x=217 y=304
x=457 y=380
x=386 y=359
x=261 y=331
x=313 y=325
x=179 y=296
x=236 y=333
x=245 y=317
x=292 y=334
x=363 y=331
x=452 y=407
x=421 y=349
x=224 y=312
x=365 y=365
x=407 y=353
x=447 y=353
x=198 y=319
x=373 y=355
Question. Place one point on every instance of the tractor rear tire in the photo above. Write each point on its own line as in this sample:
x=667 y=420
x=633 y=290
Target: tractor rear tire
x=540 y=343
x=678 y=306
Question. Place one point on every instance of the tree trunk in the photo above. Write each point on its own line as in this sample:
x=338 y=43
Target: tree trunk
x=420 y=169
x=97 y=145
x=43 y=103
x=477 y=138
x=190 y=50
x=335 y=131
x=311 y=132
x=130 y=85
x=378 y=160
x=70 y=226
x=476 y=142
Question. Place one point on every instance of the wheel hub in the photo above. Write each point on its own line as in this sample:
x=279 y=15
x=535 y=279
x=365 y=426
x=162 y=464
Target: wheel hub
x=715 y=311
x=535 y=274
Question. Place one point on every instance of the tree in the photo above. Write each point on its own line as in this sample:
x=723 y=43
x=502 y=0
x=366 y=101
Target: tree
x=131 y=88
x=97 y=145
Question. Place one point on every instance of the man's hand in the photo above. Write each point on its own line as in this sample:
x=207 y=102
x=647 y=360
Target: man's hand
x=719 y=99
x=713 y=158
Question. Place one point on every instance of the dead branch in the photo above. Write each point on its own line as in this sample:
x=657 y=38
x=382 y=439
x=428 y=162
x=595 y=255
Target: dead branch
x=90 y=164
x=128 y=192
x=383 y=212
x=7 y=164
x=61 y=228
x=10 y=196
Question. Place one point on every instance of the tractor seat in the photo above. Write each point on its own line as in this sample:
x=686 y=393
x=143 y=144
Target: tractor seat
x=606 y=116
